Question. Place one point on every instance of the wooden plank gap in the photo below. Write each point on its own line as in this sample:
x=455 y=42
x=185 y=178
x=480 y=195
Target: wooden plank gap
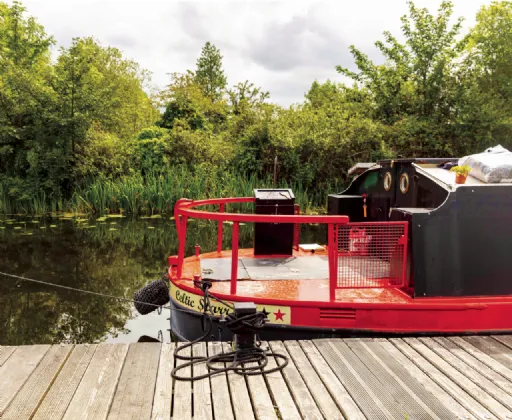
x=5 y=353
x=162 y=399
x=239 y=393
x=451 y=404
x=279 y=389
x=444 y=381
x=133 y=398
x=94 y=395
x=16 y=371
x=312 y=366
x=58 y=397
x=298 y=390
x=36 y=387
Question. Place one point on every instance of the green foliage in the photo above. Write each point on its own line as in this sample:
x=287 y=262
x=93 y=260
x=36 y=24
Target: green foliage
x=209 y=73
x=83 y=134
x=461 y=170
x=429 y=92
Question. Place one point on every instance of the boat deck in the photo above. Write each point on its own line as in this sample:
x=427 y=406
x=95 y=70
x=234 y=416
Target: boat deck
x=301 y=277
x=467 y=377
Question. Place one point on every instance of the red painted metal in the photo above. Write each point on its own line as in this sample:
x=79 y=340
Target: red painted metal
x=371 y=254
x=296 y=229
x=389 y=311
x=234 y=258
x=198 y=250
x=219 y=229
x=187 y=208
x=181 y=223
x=331 y=250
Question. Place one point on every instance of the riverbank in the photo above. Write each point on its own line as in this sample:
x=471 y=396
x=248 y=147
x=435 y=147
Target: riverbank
x=152 y=194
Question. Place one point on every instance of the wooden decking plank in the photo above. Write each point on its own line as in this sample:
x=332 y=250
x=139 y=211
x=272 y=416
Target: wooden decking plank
x=479 y=394
x=460 y=395
x=482 y=357
x=390 y=351
x=492 y=348
x=380 y=383
x=220 y=391
x=163 y=388
x=476 y=364
x=313 y=366
x=15 y=372
x=504 y=339
x=202 y=391
x=279 y=390
x=31 y=394
x=300 y=392
x=242 y=405
x=260 y=396
x=95 y=392
x=473 y=376
x=5 y=353
x=418 y=402
x=133 y=398
x=182 y=390
x=355 y=378
x=59 y=396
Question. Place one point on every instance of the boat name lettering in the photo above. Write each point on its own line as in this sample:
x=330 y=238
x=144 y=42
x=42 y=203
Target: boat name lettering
x=184 y=298
x=216 y=309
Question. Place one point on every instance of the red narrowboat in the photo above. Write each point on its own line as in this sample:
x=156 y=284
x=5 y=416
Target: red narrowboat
x=408 y=251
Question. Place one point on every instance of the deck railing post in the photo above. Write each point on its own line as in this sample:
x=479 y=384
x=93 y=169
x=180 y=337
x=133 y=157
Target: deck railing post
x=332 y=248
x=182 y=242
x=234 y=258
x=219 y=230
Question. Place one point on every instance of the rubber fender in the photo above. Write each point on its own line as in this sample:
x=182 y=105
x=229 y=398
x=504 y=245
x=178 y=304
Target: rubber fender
x=155 y=293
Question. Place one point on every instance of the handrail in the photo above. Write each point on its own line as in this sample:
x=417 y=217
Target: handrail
x=186 y=208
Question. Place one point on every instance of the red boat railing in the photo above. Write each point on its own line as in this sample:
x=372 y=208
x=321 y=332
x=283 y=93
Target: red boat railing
x=370 y=254
x=185 y=209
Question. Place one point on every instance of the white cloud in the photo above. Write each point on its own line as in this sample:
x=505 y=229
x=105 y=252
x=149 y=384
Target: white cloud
x=281 y=46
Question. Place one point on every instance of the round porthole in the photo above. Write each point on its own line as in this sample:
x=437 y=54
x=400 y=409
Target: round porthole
x=404 y=183
x=387 y=181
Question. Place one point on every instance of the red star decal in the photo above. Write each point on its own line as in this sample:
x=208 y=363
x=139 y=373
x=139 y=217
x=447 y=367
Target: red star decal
x=279 y=315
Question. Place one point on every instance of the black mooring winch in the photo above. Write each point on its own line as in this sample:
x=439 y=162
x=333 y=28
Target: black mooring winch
x=244 y=338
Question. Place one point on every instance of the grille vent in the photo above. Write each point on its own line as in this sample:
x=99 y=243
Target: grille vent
x=337 y=313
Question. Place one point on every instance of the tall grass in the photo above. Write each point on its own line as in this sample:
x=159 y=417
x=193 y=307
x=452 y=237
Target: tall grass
x=157 y=193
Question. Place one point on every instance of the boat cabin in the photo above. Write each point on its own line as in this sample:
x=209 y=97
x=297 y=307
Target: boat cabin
x=459 y=236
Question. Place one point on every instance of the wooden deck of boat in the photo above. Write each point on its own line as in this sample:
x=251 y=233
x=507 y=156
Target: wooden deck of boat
x=353 y=378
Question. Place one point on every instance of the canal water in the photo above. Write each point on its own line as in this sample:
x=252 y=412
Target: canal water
x=113 y=255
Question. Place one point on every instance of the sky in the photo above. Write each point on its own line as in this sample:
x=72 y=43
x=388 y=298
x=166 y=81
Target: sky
x=281 y=46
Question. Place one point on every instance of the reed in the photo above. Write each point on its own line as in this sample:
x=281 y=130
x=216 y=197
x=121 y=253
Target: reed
x=156 y=193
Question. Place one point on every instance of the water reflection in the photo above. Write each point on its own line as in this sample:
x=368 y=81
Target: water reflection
x=114 y=255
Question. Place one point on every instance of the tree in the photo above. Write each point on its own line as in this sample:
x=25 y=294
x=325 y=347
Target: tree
x=245 y=94
x=424 y=91
x=26 y=101
x=186 y=101
x=489 y=47
x=209 y=74
x=416 y=78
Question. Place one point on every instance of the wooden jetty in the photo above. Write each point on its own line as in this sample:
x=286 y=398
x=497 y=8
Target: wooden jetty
x=467 y=377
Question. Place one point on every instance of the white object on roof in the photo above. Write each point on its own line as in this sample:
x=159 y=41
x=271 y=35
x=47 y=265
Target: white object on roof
x=492 y=166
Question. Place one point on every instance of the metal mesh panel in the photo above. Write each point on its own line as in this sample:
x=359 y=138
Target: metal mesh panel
x=371 y=254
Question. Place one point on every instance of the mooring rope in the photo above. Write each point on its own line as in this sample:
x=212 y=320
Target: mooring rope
x=75 y=289
x=238 y=359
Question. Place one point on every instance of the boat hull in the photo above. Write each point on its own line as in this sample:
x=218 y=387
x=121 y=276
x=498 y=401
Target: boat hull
x=297 y=320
